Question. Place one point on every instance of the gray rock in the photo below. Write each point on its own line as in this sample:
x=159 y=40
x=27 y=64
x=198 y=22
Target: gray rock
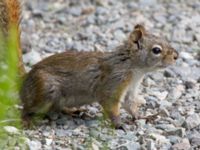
x=186 y=55
x=189 y=84
x=165 y=126
x=34 y=145
x=160 y=95
x=75 y=11
x=48 y=141
x=130 y=146
x=174 y=139
x=101 y=10
x=165 y=104
x=183 y=145
x=151 y=145
x=11 y=130
x=176 y=131
x=169 y=73
x=31 y=57
x=192 y=121
x=176 y=92
x=119 y=35
x=62 y=133
x=187 y=72
x=164 y=112
x=157 y=76
x=77 y=46
x=132 y=5
x=148 y=3
x=195 y=139
x=38 y=13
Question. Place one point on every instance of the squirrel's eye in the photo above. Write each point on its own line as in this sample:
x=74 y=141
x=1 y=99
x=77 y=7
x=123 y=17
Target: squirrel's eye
x=156 y=50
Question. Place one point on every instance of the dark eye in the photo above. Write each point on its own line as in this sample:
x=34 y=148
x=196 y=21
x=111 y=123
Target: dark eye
x=156 y=50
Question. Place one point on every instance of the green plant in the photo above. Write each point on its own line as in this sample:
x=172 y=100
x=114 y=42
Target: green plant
x=9 y=83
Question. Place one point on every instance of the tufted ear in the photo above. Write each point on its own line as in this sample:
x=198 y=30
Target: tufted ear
x=137 y=33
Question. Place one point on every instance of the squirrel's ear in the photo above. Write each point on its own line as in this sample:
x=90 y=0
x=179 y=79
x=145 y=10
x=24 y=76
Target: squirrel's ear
x=137 y=33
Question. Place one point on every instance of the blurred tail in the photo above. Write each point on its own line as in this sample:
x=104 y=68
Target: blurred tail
x=10 y=13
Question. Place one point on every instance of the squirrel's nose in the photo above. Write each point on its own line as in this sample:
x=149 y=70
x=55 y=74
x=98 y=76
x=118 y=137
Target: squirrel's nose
x=175 y=55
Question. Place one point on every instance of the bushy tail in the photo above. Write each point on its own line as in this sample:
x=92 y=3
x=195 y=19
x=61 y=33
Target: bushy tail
x=10 y=12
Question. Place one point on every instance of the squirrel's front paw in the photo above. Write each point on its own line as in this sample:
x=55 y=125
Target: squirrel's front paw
x=132 y=106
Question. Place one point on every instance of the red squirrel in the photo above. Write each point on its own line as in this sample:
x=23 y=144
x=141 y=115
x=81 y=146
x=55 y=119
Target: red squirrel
x=73 y=79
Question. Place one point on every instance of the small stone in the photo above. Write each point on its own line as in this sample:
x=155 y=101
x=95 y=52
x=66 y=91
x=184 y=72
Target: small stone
x=148 y=82
x=131 y=5
x=165 y=104
x=148 y=3
x=101 y=10
x=119 y=35
x=164 y=112
x=61 y=133
x=11 y=130
x=183 y=145
x=174 y=139
x=192 y=121
x=160 y=95
x=158 y=76
x=77 y=46
x=151 y=145
x=37 y=13
x=48 y=141
x=75 y=11
x=31 y=57
x=159 y=138
x=176 y=131
x=95 y=147
x=169 y=73
x=131 y=146
x=176 y=92
x=189 y=84
x=195 y=139
x=34 y=145
x=186 y=55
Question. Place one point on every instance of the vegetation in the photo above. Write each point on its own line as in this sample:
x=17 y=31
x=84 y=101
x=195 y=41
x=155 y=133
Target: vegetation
x=10 y=134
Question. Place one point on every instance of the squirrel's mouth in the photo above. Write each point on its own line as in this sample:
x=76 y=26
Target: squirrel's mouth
x=163 y=65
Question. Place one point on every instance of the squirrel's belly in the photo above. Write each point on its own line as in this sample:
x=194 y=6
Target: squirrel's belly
x=76 y=100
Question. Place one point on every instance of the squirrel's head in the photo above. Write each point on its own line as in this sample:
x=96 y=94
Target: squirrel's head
x=149 y=50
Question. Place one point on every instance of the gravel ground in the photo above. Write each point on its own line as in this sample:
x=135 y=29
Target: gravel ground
x=50 y=26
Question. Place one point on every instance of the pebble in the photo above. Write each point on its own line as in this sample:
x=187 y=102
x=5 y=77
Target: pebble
x=11 y=130
x=148 y=3
x=169 y=73
x=31 y=57
x=192 y=121
x=189 y=84
x=183 y=145
x=75 y=11
x=119 y=35
x=176 y=131
x=160 y=95
x=186 y=55
x=34 y=145
x=151 y=145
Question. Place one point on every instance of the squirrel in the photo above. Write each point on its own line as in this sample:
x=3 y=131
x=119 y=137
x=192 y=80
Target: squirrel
x=72 y=79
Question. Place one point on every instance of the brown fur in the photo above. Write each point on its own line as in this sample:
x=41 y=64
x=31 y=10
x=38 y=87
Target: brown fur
x=72 y=79
x=10 y=12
